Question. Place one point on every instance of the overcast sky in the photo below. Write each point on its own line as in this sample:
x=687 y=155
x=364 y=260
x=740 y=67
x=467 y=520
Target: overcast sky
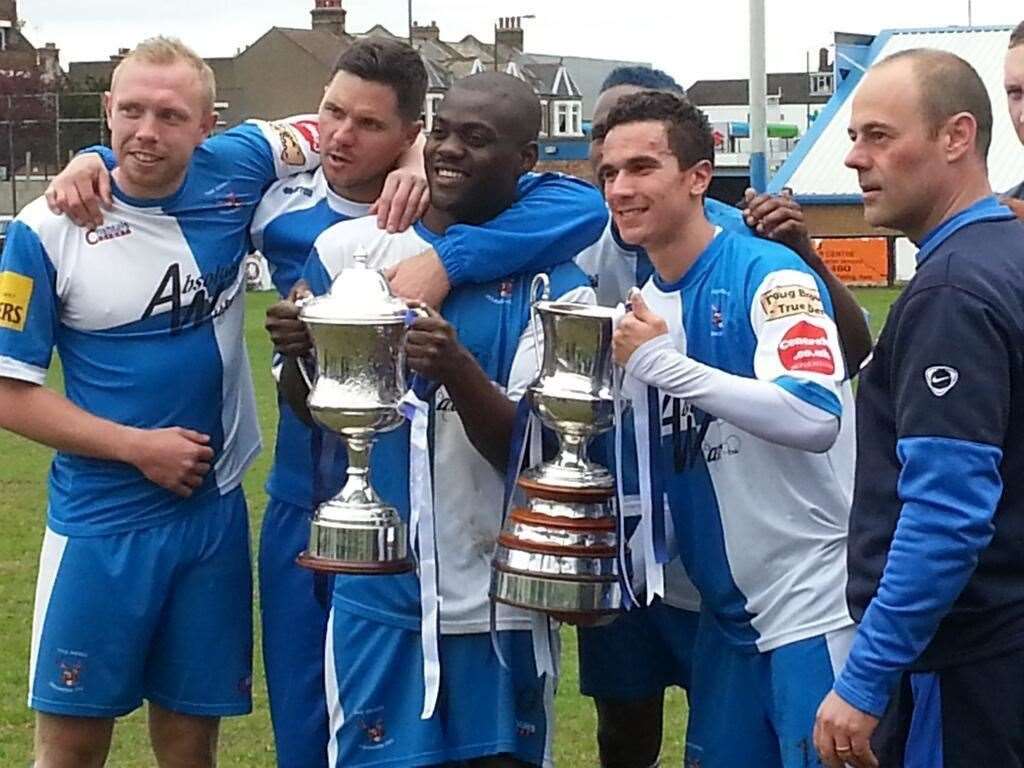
x=690 y=40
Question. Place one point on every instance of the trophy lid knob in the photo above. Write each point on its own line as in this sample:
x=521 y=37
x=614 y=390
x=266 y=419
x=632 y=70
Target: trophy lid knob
x=359 y=295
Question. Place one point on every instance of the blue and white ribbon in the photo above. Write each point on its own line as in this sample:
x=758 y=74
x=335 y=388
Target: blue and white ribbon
x=525 y=436
x=415 y=407
x=629 y=599
x=654 y=575
x=545 y=658
x=545 y=647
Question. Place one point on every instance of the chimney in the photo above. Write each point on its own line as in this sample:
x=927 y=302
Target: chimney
x=427 y=32
x=48 y=59
x=9 y=12
x=329 y=16
x=823 y=65
x=117 y=58
x=509 y=31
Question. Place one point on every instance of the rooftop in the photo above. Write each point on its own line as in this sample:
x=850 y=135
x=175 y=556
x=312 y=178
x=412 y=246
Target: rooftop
x=815 y=171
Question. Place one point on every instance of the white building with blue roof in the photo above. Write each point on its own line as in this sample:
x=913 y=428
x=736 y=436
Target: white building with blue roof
x=815 y=172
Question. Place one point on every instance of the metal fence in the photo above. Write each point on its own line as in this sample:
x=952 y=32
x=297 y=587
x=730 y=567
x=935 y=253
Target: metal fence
x=39 y=132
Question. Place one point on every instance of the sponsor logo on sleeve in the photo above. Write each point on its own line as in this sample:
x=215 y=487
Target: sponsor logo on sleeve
x=291 y=149
x=310 y=131
x=805 y=348
x=940 y=379
x=788 y=300
x=15 y=294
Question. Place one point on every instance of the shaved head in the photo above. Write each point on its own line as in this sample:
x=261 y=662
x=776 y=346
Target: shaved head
x=947 y=86
x=510 y=100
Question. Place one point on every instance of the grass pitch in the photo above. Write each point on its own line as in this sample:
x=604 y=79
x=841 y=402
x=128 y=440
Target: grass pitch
x=246 y=742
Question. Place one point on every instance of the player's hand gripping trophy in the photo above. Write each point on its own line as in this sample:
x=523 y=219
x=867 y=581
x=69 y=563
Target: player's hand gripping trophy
x=358 y=332
x=559 y=552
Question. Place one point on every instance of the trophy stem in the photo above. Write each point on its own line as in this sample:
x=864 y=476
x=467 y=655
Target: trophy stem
x=572 y=451
x=357 y=488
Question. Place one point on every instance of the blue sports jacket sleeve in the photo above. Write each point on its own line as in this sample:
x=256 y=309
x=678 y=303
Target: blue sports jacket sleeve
x=555 y=218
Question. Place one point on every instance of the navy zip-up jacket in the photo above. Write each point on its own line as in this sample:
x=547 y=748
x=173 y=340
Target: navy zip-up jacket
x=936 y=544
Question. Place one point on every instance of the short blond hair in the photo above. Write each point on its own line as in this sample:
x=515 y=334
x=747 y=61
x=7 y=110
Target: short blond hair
x=162 y=50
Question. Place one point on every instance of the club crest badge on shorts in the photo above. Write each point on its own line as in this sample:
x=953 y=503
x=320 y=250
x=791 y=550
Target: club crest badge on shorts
x=70 y=668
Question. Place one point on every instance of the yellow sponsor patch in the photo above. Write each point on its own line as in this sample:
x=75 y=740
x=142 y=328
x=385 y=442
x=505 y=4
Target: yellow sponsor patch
x=15 y=294
x=291 y=149
x=786 y=300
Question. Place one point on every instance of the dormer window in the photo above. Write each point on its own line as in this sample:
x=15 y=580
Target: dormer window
x=821 y=84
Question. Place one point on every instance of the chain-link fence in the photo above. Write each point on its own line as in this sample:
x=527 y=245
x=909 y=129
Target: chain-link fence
x=39 y=132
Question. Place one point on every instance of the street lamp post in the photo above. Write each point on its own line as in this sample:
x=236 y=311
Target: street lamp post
x=758 y=99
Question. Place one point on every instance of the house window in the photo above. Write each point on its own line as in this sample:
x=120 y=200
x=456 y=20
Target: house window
x=821 y=84
x=3 y=39
x=568 y=118
x=561 y=119
x=545 y=119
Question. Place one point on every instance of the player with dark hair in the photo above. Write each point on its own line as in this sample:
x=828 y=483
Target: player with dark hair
x=935 y=674
x=629 y=700
x=481 y=351
x=738 y=333
x=646 y=78
x=364 y=128
x=368 y=117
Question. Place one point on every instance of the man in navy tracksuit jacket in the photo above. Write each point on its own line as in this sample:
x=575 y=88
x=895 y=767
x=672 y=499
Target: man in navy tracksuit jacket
x=935 y=674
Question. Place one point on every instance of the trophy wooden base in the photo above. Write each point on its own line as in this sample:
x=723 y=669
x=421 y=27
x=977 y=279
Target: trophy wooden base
x=559 y=554
x=326 y=565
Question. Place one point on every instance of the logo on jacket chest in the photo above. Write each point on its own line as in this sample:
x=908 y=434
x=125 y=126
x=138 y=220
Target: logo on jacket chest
x=503 y=293
x=941 y=378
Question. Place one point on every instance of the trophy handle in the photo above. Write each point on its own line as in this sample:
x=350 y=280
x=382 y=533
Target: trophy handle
x=543 y=282
x=301 y=363
x=311 y=357
x=540 y=290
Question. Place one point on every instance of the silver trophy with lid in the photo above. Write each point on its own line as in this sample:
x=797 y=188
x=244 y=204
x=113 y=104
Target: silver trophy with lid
x=358 y=332
x=559 y=551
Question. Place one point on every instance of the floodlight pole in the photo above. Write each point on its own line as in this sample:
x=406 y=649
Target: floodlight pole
x=758 y=99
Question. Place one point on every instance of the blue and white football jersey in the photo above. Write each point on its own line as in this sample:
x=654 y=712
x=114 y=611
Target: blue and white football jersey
x=614 y=266
x=146 y=313
x=761 y=528
x=492 y=321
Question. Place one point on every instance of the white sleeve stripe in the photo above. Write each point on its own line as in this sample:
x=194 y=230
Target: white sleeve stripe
x=16 y=369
